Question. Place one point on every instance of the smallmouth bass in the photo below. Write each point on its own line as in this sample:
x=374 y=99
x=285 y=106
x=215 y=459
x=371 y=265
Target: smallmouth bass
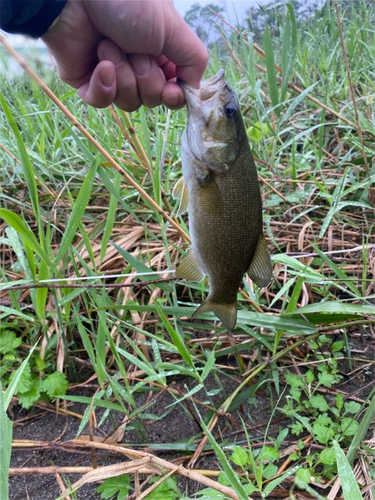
x=220 y=190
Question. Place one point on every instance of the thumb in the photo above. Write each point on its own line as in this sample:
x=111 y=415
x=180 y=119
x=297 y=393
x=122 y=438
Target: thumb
x=184 y=48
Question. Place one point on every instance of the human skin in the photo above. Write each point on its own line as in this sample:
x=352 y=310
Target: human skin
x=126 y=52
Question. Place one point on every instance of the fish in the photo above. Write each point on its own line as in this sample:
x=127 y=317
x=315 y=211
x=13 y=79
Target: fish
x=220 y=190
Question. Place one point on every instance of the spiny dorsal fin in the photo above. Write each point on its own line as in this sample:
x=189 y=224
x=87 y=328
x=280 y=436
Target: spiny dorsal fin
x=227 y=313
x=189 y=269
x=260 y=269
x=180 y=192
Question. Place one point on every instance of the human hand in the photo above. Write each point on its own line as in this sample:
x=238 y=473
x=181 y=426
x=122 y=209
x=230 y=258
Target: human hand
x=126 y=52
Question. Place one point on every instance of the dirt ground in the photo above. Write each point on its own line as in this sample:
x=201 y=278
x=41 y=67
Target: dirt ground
x=43 y=424
x=57 y=430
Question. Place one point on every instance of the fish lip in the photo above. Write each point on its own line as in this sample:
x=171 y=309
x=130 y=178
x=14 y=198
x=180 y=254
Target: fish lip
x=213 y=80
x=187 y=88
x=207 y=90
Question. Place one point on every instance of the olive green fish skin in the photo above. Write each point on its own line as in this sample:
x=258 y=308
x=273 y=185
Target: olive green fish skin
x=225 y=208
x=225 y=223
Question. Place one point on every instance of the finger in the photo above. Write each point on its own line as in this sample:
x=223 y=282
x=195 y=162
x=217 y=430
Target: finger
x=150 y=79
x=101 y=89
x=127 y=97
x=168 y=67
x=161 y=60
x=173 y=96
x=184 y=48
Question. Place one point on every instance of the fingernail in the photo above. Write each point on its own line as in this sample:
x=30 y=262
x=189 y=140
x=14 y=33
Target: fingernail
x=141 y=64
x=107 y=77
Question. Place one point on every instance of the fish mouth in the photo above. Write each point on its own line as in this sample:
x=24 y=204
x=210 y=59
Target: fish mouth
x=207 y=90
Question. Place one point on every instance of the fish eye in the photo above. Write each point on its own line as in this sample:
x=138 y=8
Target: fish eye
x=230 y=111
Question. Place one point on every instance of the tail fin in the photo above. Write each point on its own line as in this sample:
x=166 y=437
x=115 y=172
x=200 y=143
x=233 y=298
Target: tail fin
x=227 y=313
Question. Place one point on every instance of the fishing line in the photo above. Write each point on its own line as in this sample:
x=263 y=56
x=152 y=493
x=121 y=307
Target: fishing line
x=53 y=283
x=104 y=276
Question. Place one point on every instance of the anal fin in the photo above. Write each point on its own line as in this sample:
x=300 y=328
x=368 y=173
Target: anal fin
x=189 y=269
x=260 y=269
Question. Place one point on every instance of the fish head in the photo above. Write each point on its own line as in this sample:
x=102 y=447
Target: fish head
x=214 y=122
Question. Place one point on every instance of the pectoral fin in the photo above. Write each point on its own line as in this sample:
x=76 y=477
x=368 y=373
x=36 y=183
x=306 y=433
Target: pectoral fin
x=180 y=192
x=210 y=197
x=260 y=269
x=189 y=269
x=227 y=313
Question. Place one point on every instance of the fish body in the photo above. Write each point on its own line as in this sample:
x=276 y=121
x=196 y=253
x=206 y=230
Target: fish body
x=221 y=192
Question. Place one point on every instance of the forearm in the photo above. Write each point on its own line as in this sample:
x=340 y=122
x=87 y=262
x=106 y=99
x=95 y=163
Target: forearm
x=29 y=17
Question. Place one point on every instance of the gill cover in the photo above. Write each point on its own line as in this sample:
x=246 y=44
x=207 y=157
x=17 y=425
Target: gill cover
x=214 y=122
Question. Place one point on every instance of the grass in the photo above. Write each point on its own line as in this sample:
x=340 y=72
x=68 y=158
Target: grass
x=304 y=343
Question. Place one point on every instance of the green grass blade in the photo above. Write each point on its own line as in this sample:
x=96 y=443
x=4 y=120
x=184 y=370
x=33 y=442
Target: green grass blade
x=31 y=266
x=6 y=432
x=42 y=293
x=298 y=266
x=86 y=241
x=175 y=368
x=337 y=208
x=28 y=236
x=95 y=401
x=232 y=477
x=271 y=71
x=15 y=241
x=8 y=311
x=292 y=305
x=110 y=219
x=145 y=134
x=208 y=365
x=349 y=483
x=281 y=322
x=70 y=130
x=335 y=307
x=175 y=336
x=142 y=365
x=273 y=484
x=289 y=47
x=24 y=157
x=248 y=50
x=103 y=174
x=285 y=55
x=297 y=102
x=339 y=272
x=283 y=292
x=253 y=333
x=86 y=341
x=100 y=343
x=140 y=267
x=77 y=212
x=7 y=284
x=367 y=420
x=12 y=387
